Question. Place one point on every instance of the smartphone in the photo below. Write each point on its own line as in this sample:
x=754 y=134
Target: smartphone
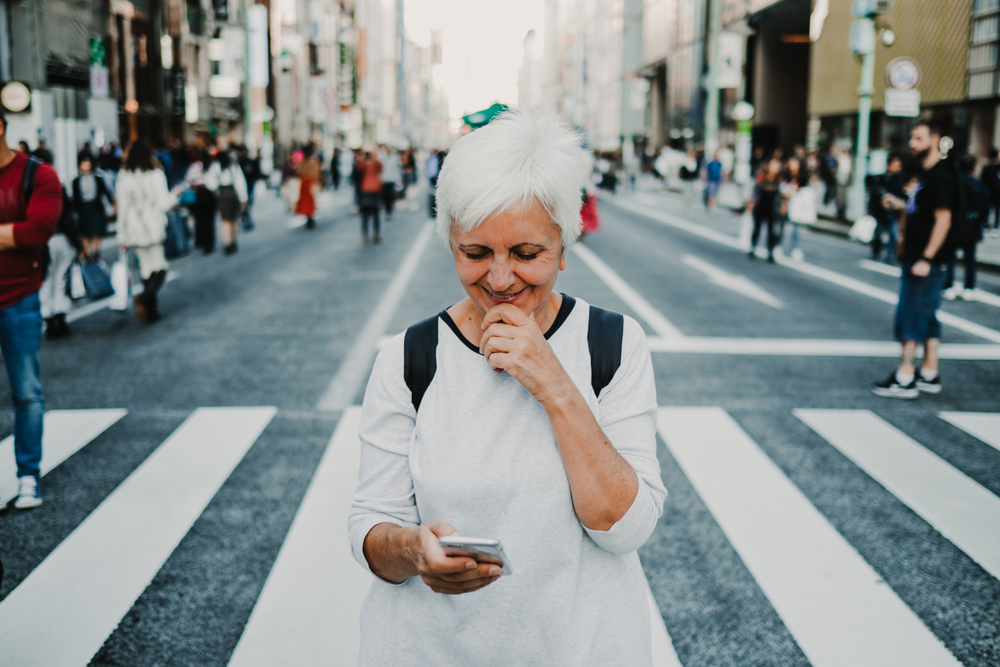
x=482 y=549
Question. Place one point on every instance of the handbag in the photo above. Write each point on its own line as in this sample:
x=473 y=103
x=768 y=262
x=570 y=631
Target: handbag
x=96 y=281
x=864 y=229
x=746 y=230
x=802 y=206
x=119 y=281
x=75 y=288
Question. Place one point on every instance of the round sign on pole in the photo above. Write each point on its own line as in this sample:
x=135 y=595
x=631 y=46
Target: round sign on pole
x=15 y=97
x=743 y=111
x=902 y=74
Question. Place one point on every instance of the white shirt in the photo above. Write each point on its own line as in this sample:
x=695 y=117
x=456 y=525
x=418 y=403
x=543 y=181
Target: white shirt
x=217 y=177
x=481 y=455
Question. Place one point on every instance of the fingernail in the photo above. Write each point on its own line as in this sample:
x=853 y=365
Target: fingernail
x=495 y=571
x=471 y=565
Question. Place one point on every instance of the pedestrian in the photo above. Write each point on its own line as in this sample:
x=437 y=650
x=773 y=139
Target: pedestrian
x=23 y=147
x=799 y=196
x=409 y=165
x=25 y=229
x=43 y=153
x=90 y=194
x=713 y=179
x=310 y=174
x=250 y=166
x=335 y=169
x=204 y=206
x=392 y=174
x=225 y=178
x=764 y=207
x=977 y=197
x=370 y=196
x=886 y=198
x=990 y=177
x=689 y=174
x=64 y=246
x=434 y=164
x=924 y=261
x=828 y=174
x=143 y=202
x=844 y=171
x=517 y=439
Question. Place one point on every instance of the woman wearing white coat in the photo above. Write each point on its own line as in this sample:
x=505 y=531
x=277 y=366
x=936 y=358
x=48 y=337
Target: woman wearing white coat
x=143 y=202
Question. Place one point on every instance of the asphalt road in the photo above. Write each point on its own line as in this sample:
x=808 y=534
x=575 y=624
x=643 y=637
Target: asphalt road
x=808 y=521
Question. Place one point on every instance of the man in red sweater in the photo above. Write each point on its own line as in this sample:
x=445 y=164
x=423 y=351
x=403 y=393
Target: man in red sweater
x=25 y=229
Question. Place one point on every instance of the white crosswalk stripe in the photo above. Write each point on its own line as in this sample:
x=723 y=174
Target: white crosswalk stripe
x=831 y=600
x=982 y=425
x=956 y=506
x=835 y=605
x=65 y=432
x=84 y=588
x=308 y=611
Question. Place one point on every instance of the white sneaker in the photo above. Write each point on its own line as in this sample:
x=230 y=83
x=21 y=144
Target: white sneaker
x=950 y=294
x=29 y=494
x=798 y=255
x=968 y=295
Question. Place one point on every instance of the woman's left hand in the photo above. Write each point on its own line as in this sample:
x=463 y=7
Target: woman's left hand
x=513 y=342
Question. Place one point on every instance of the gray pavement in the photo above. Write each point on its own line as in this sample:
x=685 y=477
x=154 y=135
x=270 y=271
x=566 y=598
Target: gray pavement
x=272 y=326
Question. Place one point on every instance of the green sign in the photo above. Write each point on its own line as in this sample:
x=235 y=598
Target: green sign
x=97 y=55
x=744 y=126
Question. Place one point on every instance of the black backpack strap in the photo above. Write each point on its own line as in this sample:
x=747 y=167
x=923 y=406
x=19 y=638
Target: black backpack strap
x=28 y=178
x=420 y=358
x=604 y=338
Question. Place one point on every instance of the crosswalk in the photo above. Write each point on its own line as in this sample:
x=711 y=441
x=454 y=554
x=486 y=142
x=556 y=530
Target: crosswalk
x=833 y=602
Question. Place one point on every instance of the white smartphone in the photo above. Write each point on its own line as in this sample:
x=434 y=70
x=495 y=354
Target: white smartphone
x=482 y=549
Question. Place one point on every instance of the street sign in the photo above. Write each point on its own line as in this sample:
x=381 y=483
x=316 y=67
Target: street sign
x=902 y=74
x=97 y=53
x=178 y=91
x=902 y=103
x=100 y=82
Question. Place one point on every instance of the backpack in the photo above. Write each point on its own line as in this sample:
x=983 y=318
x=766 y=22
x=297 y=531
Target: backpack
x=966 y=216
x=604 y=339
x=27 y=188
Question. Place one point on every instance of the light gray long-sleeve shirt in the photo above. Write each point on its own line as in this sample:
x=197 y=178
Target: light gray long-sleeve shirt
x=481 y=455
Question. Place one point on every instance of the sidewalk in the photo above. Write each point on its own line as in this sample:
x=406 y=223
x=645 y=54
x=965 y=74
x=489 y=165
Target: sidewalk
x=987 y=254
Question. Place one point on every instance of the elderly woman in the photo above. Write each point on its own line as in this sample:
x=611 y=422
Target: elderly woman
x=513 y=438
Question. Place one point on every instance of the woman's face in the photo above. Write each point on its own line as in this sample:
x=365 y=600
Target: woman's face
x=85 y=167
x=514 y=257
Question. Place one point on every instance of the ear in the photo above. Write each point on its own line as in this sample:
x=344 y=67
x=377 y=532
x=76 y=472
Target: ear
x=562 y=261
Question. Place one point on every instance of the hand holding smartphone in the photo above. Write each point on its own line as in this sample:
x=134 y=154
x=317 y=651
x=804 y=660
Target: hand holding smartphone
x=481 y=549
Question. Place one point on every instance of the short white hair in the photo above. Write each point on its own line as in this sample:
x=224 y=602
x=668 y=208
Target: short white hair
x=522 y=155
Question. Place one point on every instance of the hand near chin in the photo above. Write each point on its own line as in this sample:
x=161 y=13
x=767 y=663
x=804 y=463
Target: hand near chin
x=513 y=342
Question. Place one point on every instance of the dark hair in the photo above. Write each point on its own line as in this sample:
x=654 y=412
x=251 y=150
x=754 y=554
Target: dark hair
x=932 y=127
x=967 y=164
x=994 y=154
x=224 y=158
x=140 y=157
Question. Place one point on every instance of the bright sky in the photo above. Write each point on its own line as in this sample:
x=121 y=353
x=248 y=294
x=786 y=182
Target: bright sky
x=482 y=46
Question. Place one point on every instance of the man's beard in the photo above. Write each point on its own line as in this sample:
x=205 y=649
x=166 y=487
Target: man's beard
x=921 y=156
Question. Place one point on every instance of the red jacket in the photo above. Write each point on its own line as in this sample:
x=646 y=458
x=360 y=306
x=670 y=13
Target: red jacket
x=21 y=268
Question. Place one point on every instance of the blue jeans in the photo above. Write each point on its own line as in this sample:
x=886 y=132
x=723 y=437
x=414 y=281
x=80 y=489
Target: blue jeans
x=919 y=298
x=20 y=337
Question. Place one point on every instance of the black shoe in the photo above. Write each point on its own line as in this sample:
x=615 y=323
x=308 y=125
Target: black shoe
x=929 y=386
x=891 y=388
x=310 y=223
x=56 y=327
x=770 y=259
x=230 y=249
x=752 y=255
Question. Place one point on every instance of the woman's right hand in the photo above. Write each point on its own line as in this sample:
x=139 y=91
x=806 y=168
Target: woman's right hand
x=447 y=574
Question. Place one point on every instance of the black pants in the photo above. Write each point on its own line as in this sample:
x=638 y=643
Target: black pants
x=370 y=213
x=389 y=198
x=993 y=218
x=969 y=257
x=203 y=211
x=761 y=218
x=151 y=287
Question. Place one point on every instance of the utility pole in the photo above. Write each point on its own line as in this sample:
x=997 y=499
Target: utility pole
x=712 y=78
x=863 y=44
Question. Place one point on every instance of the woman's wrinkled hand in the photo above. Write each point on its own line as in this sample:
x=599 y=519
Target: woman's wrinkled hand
x=447 y=574
x=513 y=342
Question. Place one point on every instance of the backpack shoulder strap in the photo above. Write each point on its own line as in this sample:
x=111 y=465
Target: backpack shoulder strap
x=420 y=358
x=604 y=338
x=28 y=178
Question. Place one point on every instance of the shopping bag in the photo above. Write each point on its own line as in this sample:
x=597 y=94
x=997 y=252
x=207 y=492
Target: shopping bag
x=119 y=281
x=75 y=288
x=863 y=229
x=290 y=192
x=176 y=243
x=96 y=281
x=746 y=230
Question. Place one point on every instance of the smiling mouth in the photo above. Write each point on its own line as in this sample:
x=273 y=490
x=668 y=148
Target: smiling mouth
x=503 y=297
